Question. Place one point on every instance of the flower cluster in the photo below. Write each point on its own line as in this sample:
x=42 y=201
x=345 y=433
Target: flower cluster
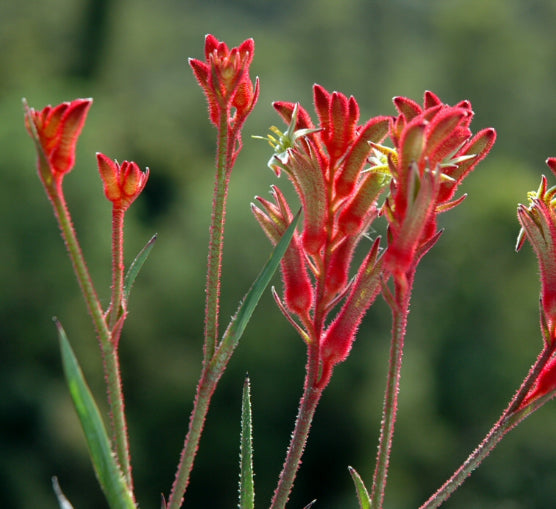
x=339 y=170
x=224 y=77
x=434 y=152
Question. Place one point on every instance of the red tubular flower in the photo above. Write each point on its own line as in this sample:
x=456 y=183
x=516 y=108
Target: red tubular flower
x=274 y=219
x=545 y=384
x=435 y=150
x=338 y=183
x=224 y=77
x=538 y=222
x=55 y=131
x=122 y=183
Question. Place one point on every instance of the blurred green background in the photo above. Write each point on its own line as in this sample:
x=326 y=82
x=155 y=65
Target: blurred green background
x=473 y=329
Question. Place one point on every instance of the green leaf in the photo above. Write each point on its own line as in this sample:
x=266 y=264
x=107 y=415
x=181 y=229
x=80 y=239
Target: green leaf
x=136 y=265
x=63 y=502
x=246 y=484
x=240 y=320
x=107 y=471
x=362 y=493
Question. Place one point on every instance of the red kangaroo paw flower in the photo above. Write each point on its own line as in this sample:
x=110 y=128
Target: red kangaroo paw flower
x=435 y=151
x=538 y=222
x=274 y=219
x=224 y=77
x=545 y=384
x=55 y=131
x=122 y=183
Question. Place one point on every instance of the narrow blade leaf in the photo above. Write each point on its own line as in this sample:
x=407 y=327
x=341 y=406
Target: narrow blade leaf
x=107 y=471
x=240 y=320
x=246 y=484
x=136 y=265
x=63 y=502
x=360 y=489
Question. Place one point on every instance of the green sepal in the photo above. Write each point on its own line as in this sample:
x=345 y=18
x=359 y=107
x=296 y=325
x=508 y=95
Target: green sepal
x=240 y=320
x=107 y=470
x=246 y=484
x=360 y=489
x=136 y=265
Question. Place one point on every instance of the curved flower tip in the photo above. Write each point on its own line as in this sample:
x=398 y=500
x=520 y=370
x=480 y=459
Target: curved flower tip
x=55 y=131
x=551 y=163
x=224 y=77
x=122 y=183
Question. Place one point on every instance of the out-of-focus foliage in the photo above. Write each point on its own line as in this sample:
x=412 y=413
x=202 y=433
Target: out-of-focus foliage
x=473 y=329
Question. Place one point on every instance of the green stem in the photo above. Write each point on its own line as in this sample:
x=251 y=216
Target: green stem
x=214 y=361
x=116 y=302
x=109 y=350
x=311 y=396
x=205 y=389
x=400 y=311
x=116 y=318
x=216 y=240
x=511 y=417
x=78 y=262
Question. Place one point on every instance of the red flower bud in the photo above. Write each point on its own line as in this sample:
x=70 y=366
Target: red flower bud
x=55 y=131
x=224 y=77
x=122 y=183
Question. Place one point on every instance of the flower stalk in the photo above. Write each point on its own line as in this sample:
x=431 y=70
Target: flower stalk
x=400 y=312
x=231 y=96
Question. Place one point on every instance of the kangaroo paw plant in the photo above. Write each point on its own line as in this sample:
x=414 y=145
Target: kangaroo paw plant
x=402 y=169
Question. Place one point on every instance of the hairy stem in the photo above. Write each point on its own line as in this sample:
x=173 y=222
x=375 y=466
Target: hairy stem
x=216 y=240
x=511 y=417
x=108 y=349
x=214 y=360
x=400 y=311
x=208 y=381
x=311 y=396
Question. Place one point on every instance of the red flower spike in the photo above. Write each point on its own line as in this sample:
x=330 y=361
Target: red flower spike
x=224 y=77
x=435 y=152
x=326 y=164
x=539 y=224
x=56 y=130
x=122 y=183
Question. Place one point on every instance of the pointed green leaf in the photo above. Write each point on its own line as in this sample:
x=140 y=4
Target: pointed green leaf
x=310 y=504
x=246 y=484
x=360 y=489
x=240 y=320
x=107 y=471
x=136 y=265
x=63 y=502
